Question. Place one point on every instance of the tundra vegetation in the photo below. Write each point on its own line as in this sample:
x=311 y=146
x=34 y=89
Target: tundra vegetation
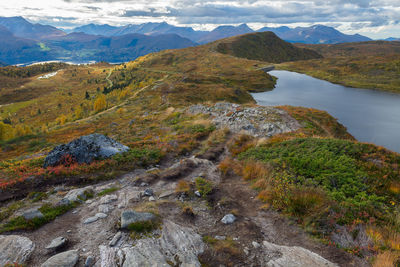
x=319 y=175
x=372 y=65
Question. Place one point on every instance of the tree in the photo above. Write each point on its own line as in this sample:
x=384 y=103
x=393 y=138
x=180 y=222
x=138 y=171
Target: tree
x=100 y=103
x=87 y=96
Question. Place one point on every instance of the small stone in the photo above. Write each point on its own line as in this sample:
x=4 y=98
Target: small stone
x=228 y=219
x=90 y=220
x=220 y=237
x=89 y=261
x=197 y=193
x=143 y=184
x=152 y=198
x=32 y=214
x=69 y=231
x=255 y=244
x=246 y=251
x=148 y=192
x=115 y=239
x=57 y=243
x=74 y=212
x=65 y=259
x=101 y=215
x=166 y=194
x=90 y=201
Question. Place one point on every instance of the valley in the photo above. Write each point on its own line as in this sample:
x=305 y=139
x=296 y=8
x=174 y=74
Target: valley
x=299 y=188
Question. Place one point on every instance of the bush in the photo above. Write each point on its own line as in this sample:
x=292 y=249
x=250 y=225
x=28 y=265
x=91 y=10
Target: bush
x=203 y=186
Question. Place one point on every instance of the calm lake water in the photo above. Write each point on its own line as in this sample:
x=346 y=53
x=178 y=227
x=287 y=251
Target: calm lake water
x=369 y=115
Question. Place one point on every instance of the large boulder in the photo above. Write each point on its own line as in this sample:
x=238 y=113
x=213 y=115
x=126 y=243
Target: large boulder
x=85 y=149
x=14 y=248
x=65 y=259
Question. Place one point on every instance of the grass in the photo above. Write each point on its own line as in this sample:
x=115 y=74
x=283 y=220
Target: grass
x=49 y=214
x=108 y=191
x=204 y=186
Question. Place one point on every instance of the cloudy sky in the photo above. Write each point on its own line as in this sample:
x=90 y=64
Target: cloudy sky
x=376 y=19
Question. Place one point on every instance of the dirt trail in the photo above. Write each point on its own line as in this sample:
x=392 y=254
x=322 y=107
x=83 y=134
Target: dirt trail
x=231 y=194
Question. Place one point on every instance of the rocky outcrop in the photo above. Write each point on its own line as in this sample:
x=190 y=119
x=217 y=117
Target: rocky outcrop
x=14 y=248
x=65 y=259
x=283 y=256
x=177 y=245
x=257 y=121
x=85 y=149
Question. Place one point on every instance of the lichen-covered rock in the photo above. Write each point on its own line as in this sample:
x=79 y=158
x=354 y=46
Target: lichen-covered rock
x=65 y=259
x=85 y=149
x=178 y=245
x=57 y=243
x=80 y=195
x=283 y=256
x=257 y=121
x=14 y=248
x=130 y=217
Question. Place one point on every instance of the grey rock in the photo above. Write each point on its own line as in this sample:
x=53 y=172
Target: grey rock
x=105 y=208
x=282 y=256
x=257 y=121
x=255 y=244
x=115 y=239
x=166 y=194
x=14 y=248
x=107 y=199
x=32 y=214
x=57 y=243
x=85 y=149
x=177 y=245
x=101 y=215
x=148 y=192
x=90 y=261
x=220 y=237
x=79 y=195
x=197 y=193
x=228 y=219
x=90 y=220
x=65 y=259
x=152 y=198
x=129 y=217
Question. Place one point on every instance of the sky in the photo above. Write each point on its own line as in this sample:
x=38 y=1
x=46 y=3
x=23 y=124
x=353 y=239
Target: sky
x=375 y=19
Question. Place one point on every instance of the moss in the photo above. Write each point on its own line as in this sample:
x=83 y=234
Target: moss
x=49 y=214
x=108 y=191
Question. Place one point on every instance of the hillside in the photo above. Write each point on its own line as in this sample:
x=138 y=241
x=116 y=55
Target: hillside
x=373 y=65
x=265 y=46
x=214 y=178
x=84 y=47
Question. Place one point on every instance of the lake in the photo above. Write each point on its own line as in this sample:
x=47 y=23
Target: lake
x=369 y=115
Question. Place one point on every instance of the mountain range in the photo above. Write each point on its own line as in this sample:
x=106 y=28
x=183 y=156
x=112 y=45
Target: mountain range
x=25 y=42
x=311 y=35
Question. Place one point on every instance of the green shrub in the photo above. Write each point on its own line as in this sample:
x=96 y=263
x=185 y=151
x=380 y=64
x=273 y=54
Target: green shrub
x=204 y=186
